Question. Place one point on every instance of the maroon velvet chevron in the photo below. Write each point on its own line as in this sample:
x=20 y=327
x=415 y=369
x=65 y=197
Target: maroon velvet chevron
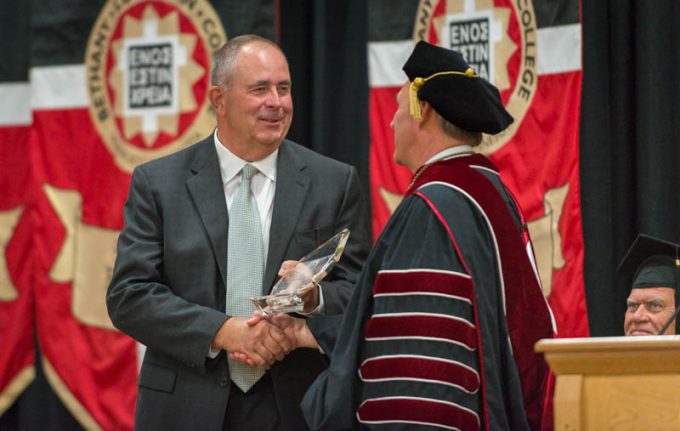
x=445 y=283
x=418 y=325
x=418 y=411
x=411 y=367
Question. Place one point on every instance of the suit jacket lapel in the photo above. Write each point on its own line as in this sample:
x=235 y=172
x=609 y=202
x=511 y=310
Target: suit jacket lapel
x=291 y=189
x=205 y=187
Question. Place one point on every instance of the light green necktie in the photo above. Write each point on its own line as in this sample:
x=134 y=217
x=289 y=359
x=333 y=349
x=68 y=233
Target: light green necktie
x=245 y=267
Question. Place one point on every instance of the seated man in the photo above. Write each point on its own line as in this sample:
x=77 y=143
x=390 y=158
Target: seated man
x=651 y=304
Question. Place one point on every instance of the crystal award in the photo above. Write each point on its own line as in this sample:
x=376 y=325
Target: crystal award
x=286 y=293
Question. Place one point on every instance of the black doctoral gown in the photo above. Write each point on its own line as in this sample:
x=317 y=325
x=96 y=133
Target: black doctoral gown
x=439 y=332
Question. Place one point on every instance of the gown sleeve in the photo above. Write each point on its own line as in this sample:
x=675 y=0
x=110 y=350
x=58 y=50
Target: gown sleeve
x=413 y=238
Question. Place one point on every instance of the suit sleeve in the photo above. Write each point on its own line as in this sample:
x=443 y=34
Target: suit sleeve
x=140 y=304
x=353 y=214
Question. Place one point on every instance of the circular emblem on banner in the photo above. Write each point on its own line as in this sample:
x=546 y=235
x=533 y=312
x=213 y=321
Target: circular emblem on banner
x=148 y=72
x=498 y=39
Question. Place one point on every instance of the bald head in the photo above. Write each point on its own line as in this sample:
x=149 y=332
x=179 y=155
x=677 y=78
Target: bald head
x=224 y=60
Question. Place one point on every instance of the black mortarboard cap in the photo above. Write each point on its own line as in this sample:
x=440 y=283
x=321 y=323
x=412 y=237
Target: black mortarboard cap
x=443 y=78
x=653 y=261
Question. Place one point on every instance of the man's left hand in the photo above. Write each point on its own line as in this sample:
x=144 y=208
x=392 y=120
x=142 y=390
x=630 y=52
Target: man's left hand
x=299 y=271
x=296 y=330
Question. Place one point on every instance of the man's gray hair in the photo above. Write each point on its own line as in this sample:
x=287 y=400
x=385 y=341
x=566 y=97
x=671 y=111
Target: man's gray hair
x=224 y=60
x=470 y=138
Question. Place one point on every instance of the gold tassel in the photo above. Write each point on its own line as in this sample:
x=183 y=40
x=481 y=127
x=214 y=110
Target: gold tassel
x=414 y=103
x=418 y=82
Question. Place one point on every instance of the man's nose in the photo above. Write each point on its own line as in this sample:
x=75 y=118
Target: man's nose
x=640 y=313
x=273 y=98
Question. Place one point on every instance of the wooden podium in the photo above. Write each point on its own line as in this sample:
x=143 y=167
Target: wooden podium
x=615 y=383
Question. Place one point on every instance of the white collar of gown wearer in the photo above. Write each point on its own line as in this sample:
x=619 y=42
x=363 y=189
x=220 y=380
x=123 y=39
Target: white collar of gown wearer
x=446 y=154
x=451 y=152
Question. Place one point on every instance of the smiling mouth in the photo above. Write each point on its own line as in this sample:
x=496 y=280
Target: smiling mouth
x=642 y=332
x=272 y=120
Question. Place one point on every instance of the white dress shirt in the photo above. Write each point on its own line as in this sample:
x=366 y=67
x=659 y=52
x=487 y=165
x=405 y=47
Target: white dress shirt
x=263 y=186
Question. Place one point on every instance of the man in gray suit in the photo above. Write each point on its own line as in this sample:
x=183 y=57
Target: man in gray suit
x=171 y=282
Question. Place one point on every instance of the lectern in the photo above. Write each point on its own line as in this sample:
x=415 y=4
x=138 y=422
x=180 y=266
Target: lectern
x=615 y=383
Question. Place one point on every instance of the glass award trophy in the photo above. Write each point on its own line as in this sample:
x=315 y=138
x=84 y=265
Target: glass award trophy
x=286 y=293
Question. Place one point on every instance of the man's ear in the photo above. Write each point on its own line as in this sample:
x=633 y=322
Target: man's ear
x=216 y=95
x=426 y=112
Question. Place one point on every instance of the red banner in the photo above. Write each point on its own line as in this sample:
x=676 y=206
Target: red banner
x=536 y=66
x=16 y=261
x=139 y=92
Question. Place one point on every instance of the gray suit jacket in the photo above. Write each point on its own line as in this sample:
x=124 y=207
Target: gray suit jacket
x=168 y=285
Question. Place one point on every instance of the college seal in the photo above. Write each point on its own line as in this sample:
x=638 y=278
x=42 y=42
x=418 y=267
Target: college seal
x=148 y=73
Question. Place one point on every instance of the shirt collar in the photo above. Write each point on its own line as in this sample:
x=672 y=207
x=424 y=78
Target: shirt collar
x=450 y=151
x=231 y=165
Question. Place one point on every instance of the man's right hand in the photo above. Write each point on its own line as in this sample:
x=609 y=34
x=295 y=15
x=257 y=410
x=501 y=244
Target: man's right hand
x=295 y=329
x=261 y=341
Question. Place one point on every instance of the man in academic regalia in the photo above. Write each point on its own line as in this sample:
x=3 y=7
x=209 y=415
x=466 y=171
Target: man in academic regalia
x=653 y=298
x=439 y=332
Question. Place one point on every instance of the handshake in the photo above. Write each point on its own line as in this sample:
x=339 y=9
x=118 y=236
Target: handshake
x=265 y=338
